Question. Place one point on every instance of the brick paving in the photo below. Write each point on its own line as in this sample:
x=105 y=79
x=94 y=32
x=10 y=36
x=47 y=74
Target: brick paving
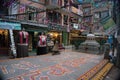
x=69 y=65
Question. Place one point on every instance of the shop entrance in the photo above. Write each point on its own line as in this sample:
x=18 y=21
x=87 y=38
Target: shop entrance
x=56 y=36
x=4 y=41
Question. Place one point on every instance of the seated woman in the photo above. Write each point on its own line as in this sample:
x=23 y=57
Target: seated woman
x=50 y=45
x=56 y=48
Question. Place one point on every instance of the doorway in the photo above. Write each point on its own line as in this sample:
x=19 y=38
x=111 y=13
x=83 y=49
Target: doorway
x=4 y=41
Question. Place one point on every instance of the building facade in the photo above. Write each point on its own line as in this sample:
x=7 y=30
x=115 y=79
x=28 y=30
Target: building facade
x=54 y=17
x=116 y=18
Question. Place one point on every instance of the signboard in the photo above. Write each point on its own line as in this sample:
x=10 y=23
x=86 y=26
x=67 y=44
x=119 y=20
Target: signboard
x=75 y=26
x=8 y=25
x=12 y=46
x=109 y=23
x=14 y=8
x=77 y=1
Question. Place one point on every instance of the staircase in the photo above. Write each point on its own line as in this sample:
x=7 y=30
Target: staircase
x=103 y=72
x=98 y=72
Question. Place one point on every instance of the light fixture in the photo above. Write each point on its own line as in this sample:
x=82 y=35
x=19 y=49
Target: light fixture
x=51 y=34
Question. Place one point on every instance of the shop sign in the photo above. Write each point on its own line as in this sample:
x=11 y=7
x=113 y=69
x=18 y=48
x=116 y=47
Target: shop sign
x=55 y=27
x=14 y=9
x=75 y=26
x=77 y=1
x=8 y=25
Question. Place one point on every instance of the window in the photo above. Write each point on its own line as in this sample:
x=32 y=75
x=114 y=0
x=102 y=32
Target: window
x=104 y=14
x=87 y=11
x=41 y=1
x=31 y=16
x=35 y=0
x=97 y=15
x=65 y=2
x=100 y=4
x=88 y=19
x=65 y=19
x=54 y=1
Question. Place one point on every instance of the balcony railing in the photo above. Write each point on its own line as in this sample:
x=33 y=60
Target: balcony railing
x=86 y=5
x=53 y=4
x=87 y=14
x=38 y=1
x=23 y=19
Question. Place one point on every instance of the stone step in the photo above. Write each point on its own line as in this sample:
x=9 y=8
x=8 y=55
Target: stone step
x=89 y=74
x=101 y=75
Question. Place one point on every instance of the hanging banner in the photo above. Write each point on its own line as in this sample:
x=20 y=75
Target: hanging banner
x=108 y=24
x=68 y=28
x=22 y=9
x=12 y=46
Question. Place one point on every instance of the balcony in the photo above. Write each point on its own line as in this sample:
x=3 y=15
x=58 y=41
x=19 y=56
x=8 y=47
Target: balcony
x=86 y=5
x=87 y=14
x=64 y=11
x=23 y=19
x=100 y=9
x=50 y=4
x=38 y=1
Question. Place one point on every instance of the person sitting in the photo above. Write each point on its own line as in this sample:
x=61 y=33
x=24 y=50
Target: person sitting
x=56 y=48
x=50 y=45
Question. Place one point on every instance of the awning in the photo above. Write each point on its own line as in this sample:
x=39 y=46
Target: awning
x=10 y=25
x=34 y=28
x=109 y=26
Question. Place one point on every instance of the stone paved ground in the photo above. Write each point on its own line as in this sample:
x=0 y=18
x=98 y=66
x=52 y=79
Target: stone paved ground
x=68 y=65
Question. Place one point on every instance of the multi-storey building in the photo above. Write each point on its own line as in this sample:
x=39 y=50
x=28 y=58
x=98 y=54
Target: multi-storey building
x=98 y=14
x=54 y=17
x=65 y=17
x=116 y=17
x=102 y=12
x=116 y=11
x=87 y=16
x=24 y=13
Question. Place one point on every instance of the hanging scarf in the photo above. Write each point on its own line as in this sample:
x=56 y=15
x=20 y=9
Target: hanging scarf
x=23 y=35
x=42 y=40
